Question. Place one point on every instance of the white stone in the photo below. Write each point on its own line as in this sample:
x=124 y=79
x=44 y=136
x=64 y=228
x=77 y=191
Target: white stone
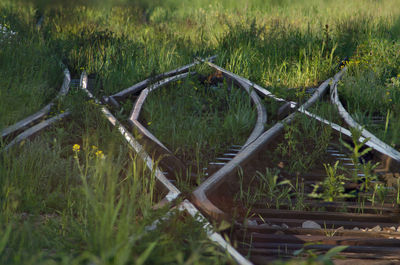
x=310 y=224
x=376 y=229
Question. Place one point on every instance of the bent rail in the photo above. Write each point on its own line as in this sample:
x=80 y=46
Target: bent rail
x=133 y=119
x=261 y=112
x=41 y=113
x=143 y=84
x=212 y=183
x=173 y=192
x=377 y=143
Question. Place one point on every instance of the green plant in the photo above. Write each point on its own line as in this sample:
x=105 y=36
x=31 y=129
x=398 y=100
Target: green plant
x=380 y=193
x=358 y=150
x=305 y=141
x=332 y=186
x=274 y=192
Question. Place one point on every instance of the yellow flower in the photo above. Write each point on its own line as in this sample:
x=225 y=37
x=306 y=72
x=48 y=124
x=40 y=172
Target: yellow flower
x=94 y=147
x=99 y=154
x=76 y=148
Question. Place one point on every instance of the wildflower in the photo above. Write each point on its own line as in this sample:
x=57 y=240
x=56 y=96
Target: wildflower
x=76 y=148
x=94 y=147
x=99 y=154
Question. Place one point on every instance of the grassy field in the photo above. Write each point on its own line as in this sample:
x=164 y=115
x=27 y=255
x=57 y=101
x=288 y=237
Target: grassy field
x=61 y=205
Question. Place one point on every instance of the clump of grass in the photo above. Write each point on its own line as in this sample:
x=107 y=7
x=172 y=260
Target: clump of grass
x=87 y=198
x=30 y=77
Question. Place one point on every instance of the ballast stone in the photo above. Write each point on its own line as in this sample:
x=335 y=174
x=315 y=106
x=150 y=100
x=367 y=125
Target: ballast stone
x=310 y=224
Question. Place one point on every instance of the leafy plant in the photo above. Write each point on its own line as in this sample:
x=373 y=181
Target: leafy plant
x=358 y=150
x=333 y=185
x=305 y=141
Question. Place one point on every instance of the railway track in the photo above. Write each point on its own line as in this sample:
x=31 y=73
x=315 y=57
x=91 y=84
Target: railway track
x=38 y=121
x=260 y=231
x=272 y=232
x=369 y=231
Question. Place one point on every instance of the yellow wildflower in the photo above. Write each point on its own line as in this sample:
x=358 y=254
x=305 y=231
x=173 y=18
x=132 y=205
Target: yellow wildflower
x=99 y=154
x=94 y=147
x=76 y=148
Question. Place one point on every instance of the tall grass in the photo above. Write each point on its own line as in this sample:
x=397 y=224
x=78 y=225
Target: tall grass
x=69 y=198
x=58 y=211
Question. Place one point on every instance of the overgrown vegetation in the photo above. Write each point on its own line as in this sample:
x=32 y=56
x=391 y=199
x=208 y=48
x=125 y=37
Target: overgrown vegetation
x=198 y=120
x=60 y=206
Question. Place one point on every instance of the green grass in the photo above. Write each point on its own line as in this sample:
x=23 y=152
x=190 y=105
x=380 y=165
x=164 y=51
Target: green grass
x=56 y=212
x=198 y=121
x=372 y=88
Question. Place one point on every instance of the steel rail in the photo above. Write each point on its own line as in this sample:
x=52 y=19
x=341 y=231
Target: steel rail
x=257 y=130
x=200 y=198
x=378 y=144
x=173 y=192
x=41 y=113
x=134 y=116
x=261 y=112
x=143 y=84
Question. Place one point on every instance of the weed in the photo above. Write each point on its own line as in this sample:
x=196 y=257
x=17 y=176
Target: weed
x=299 y=137
x=358 y=157
x=332 y=186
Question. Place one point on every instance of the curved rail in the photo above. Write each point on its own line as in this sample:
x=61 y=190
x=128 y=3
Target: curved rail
x=376 y=142
x=212 y=183
x=35 y=129
x=261 y=112
x=41 y=113
x=133 y=118
x=143 y=84
x=173 y=192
